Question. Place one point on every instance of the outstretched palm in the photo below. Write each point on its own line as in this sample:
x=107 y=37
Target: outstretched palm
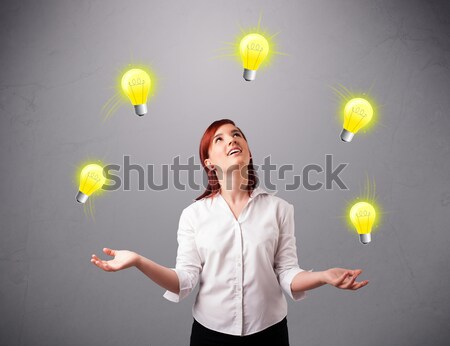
x=122 y=259
x=344 y=278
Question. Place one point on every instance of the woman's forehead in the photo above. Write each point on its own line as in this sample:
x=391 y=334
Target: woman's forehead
x=226 y=128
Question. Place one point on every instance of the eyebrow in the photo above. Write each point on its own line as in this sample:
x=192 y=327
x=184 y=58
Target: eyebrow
x=233 y=132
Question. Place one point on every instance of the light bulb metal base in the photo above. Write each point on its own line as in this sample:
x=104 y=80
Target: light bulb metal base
x=82 y=197
x=249 y=75
x=347 y=136
x=365 y=238
x=141 y=109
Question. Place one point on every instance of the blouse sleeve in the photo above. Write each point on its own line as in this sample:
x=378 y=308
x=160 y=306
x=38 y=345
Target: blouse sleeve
x=286 y=262
x=188 y=263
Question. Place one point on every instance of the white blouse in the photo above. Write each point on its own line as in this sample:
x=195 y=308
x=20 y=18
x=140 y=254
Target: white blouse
x=242 y=264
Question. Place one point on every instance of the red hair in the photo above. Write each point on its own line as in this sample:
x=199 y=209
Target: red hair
x=213 y=183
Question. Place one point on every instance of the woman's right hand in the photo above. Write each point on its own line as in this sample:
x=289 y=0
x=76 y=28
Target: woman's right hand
x=122 y=259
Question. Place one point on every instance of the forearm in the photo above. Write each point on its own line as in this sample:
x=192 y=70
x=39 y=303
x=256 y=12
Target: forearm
x=305 y=280
x=163 y=276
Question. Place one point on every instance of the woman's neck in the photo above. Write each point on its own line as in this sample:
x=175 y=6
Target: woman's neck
x=234 y=187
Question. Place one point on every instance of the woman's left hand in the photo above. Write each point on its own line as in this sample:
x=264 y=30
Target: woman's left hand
x=344 y=278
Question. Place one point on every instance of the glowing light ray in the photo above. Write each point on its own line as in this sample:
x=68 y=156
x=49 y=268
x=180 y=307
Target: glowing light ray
x=280 y=53
x=111 y=99
x=109 y=106
x=346 y=90
x=339 y=94
x=113 y=109
x=275 y=35
x=224 y=55
x=92 y=208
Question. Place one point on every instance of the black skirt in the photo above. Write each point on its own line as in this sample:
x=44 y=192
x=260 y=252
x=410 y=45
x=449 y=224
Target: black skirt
x=274 y=335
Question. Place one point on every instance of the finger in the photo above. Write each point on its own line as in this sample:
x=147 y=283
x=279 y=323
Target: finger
x=359 y=285
x=107 y=267
x=109 y=251
x=351 y=282
x=341 y=279
x=102 y=265
x=357 y=272
x=95 y=258
x=98 y=261
x=354 y=276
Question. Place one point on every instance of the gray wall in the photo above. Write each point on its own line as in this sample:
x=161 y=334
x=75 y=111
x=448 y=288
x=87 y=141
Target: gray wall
x=59 y=63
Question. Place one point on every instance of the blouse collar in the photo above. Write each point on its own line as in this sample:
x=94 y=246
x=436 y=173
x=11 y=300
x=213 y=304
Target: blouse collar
x=257 y=191
x=260 y=191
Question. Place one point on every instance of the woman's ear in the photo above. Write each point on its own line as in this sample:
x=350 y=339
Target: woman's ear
x=209 y=165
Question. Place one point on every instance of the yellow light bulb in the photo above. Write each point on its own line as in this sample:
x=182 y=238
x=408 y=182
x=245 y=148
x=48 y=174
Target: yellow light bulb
x=254 y=49
x=136 y=85
x=357 y=113
x=91 y=179
x=363 y=215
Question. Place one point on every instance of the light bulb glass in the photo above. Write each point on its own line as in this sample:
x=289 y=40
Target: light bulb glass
x=136 y=85
x=358 y=113
x=91 y=179
x=362 y=215
x=253 y=49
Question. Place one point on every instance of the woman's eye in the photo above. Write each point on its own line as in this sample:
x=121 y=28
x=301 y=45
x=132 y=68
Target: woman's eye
x=220 y=138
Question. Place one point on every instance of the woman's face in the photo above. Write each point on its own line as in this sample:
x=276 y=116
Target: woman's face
x=228 y=150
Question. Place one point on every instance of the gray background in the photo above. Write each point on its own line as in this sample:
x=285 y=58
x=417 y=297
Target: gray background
x=59 y=63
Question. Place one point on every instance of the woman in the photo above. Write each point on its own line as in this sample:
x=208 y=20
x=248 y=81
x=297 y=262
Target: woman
x=238 y=242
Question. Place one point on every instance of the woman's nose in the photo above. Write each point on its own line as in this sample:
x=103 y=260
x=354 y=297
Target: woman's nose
x=232 y=140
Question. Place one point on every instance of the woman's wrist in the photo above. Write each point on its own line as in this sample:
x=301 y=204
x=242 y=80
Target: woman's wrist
x=324 y=277
x=137 y=261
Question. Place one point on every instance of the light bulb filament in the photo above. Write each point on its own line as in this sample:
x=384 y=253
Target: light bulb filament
x=363 y=213
x=255 y=46
x=93 y=176
x=359 y=110
x=137 y=81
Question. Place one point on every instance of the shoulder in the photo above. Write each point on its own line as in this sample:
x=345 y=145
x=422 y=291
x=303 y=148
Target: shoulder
x=269 y=204
x=199 y=207
x=274 y=201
